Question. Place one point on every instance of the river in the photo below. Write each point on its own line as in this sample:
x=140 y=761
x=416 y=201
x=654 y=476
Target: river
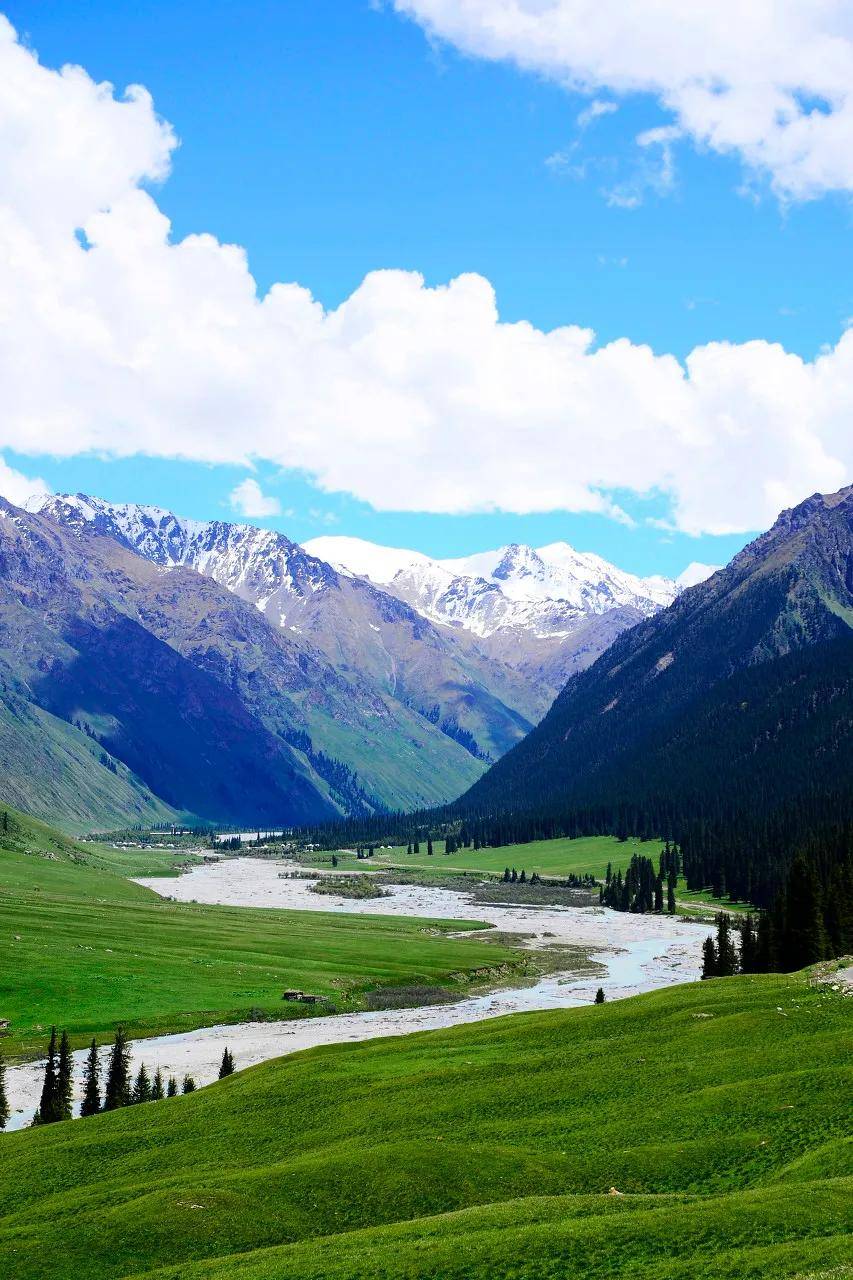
x=636 y=953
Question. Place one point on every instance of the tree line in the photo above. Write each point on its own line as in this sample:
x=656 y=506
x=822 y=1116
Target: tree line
x=120 y=1087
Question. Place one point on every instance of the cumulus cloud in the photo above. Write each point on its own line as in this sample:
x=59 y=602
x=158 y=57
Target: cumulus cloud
x=20 y=489
x=770 y=81
x=249 y=499
x=117 y=339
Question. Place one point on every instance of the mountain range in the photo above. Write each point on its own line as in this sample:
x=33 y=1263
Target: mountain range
x=222 y=671
x=739 y=694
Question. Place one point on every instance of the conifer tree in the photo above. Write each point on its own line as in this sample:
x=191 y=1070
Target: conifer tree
x=709 y=958
x=158 y=1089
x=226 y=1067
x=172 y=1087
x=142 y=1086
x=48 y=1108
x=91 y=1083
x=659 y=893
x=727 y=960
x=65 y=1080
x=522 y=877
x=599 y=996
x=4 y=1101
x=429 y=845
x=189 y=1084
x=117 y=1092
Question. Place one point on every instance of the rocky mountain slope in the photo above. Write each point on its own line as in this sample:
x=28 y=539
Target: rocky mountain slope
x=380 y=689
x=395 y=687
x=744 y=685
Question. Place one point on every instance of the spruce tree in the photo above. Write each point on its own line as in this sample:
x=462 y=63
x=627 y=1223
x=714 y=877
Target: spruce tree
x=189 y=1084
x=599 y=996
x=226 y=1067
x=141 y=1086
x=65 y=1080
x=727 y=960
x=91 y=1083
x=4 y=1101
x=709 y=958
x=172 y=1087
x=118 y=1088
x=48 y=1108
x=158 y=1089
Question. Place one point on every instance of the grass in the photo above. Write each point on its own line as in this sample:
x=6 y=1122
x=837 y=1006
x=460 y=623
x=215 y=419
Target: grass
x=588 y=855
x=86 y=949
x=719 y=1110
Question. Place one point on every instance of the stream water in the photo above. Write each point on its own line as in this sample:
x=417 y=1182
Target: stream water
x=636 y=953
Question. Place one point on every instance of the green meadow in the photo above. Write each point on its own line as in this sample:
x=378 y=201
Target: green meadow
x=82 y=947
x=588 y=855
x=697 y=1133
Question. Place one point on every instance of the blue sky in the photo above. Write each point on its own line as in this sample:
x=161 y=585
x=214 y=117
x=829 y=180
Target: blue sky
x=331 y=138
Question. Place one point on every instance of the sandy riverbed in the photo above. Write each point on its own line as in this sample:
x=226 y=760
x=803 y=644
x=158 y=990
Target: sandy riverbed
x=639 y=953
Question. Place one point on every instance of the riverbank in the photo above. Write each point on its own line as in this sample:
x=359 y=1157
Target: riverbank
x=624 y=954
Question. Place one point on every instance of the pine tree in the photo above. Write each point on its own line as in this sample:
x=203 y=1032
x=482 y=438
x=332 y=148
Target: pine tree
x=429 y=846
x=506 y=875
x=118 y=1090
x=659 y=893
x=142 y=1086
x=158 y=1090
x=599 y=996
x=189 y=1084
x=522 y=877
x=65 y=1080
x=91 y=1083
x=709 y=958
x=172 y=1088
x=727 y=960
x=48 y=1108
x=4 y=1101
x=226 y=1067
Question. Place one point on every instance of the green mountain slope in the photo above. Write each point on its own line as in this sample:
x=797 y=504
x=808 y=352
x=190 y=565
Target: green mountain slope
x=718 y=1111
x=742 y=688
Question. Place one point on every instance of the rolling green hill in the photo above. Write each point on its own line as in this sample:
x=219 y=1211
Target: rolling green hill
x=717 y=1111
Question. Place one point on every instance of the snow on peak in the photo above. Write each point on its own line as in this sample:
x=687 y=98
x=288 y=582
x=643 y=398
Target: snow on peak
x=364 y=559
x=547 y=590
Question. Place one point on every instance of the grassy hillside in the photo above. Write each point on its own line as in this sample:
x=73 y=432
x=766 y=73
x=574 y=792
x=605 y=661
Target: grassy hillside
x=84 y=948
x=719 y=1111
x=50 y=767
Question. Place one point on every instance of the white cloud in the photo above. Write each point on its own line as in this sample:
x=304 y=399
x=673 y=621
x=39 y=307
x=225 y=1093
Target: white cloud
x=249 y=499
x=20 y=489
x=407 y=397
x=770 y=81
x=596 y=109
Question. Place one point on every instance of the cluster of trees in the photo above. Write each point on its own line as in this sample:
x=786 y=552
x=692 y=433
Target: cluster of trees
x=722 y=957
x=511 y=876
x=121 y=1088
x=642 y=887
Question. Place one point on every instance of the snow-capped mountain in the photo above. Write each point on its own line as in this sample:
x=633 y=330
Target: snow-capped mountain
x=547 y=591
x=412 y=672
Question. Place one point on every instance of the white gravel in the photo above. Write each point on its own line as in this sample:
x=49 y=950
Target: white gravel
x=640 y=953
